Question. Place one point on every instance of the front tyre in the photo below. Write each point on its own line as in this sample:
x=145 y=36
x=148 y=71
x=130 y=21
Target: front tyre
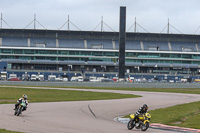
x=19 y=111
x=145 y=126
x=130 y=125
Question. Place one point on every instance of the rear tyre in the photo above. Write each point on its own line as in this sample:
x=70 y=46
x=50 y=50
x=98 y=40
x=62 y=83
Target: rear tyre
x=15 y=112
x=145 y=126
x=131 y=125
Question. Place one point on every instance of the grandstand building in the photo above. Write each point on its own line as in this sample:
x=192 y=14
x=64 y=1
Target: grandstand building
x=68 y=52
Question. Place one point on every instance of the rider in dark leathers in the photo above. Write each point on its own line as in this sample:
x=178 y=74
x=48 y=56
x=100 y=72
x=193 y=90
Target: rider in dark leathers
x=141 y=110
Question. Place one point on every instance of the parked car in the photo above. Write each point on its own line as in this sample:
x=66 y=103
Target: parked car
x=12 y=76
x=77 y=78
x=33 y=77
x=51 y=77
x=58 y=79
x=93 y=79
x=14 y=79
x=107 y=80
x=41 y=77
x=65 y=79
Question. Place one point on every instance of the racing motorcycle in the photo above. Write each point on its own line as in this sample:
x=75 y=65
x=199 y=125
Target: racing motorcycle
x=142 y=122
x=20 y=108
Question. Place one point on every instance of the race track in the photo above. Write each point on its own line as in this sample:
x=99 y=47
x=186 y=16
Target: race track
x=87 y=116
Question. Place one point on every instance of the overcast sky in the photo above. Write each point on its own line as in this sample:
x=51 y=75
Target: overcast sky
x=152 y=15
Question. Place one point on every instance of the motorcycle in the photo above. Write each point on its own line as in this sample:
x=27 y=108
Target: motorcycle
x=142 y=122
x=20 y=108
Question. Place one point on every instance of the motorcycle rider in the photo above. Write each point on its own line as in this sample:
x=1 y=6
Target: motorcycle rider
x=24 y=99
x=141 y=110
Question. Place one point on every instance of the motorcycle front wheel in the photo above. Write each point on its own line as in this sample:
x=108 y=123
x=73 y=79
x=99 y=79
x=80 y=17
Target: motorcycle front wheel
x=130 y=125
x=19 y=111
x=145 y=126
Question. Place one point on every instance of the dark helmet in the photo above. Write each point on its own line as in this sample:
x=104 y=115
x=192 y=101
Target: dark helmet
x=25 y=96
x=145 y=106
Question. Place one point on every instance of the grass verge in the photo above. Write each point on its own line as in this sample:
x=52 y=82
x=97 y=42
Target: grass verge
x=171 y=90
x=184 y=115
x=7 y=131
x=11 y=94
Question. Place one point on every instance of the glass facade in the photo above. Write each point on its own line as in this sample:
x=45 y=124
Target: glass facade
x=100 y=55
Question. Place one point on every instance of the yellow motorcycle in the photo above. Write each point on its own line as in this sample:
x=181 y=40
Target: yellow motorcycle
x=142 y=122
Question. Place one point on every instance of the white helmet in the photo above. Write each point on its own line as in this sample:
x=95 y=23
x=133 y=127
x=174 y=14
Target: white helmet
x=25 y=96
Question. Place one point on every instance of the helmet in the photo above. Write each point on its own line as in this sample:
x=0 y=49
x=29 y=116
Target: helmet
x=145 y=106
x=25 y=96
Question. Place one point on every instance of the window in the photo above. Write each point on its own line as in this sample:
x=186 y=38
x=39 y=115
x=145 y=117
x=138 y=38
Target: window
x=131 y=54
x=164 y=55
x=73 y=52
x=95 y=53
x=153 y=55
x=86 y=53
x=73 y=58
x=51 y=58
x=62 y=52
x=142 y=55
x=6 y=57
x=176 y=62
x=63 y=58
x=17 y=51
x=54 y=52
x=26 y=58
x=40 y=58
x=175 y=55
x=28 y=51
x=186 y=62
x=6 y=51
x=109 y=53
x=187 y=56
x=40 y=51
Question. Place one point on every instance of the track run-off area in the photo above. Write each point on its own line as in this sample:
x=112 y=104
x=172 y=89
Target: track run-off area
x=87 y=116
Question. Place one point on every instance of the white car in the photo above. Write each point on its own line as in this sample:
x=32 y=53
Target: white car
x=77 y=78
x=171 y=81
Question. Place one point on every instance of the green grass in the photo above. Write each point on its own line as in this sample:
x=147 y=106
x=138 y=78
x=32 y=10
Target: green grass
x=172 y=90
x=184 y=115
x=7 y=131
x=11 y=95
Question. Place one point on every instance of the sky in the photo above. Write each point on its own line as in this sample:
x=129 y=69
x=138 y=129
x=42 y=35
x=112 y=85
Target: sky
x=151 y=15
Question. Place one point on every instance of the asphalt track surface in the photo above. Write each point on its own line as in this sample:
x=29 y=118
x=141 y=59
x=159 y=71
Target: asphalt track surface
x=87 y=116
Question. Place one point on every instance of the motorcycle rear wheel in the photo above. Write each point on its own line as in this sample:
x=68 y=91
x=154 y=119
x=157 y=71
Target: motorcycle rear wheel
x=15 y=112
x=145 y=126
x=131 y=125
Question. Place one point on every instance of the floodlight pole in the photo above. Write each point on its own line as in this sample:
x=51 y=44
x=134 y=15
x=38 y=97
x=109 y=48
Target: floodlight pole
x=1 y=20
x=102 y=24
x=135 y=25
x=34 y=21
x=168 y=27
x=68 y=23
